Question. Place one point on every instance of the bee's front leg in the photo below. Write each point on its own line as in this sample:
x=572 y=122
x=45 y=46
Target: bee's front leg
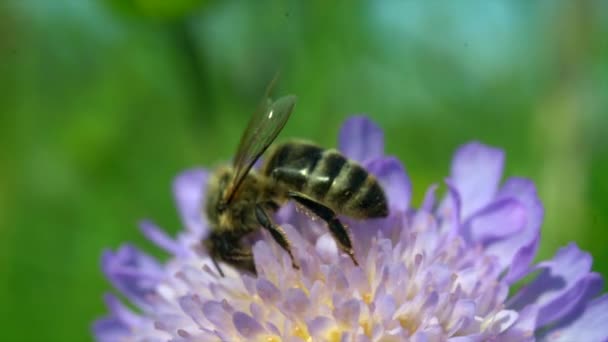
x=277 y=233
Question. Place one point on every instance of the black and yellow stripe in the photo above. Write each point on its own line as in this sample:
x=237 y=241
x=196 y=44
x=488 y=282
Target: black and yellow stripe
x=328 y=177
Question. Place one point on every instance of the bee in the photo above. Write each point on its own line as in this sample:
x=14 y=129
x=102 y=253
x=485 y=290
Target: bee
x=241 y=200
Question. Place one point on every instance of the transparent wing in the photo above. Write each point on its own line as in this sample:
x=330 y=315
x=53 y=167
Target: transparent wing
x=263 y=128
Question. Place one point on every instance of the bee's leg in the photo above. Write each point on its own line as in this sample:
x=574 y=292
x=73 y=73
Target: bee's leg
x=278 y=234
x=336 y=227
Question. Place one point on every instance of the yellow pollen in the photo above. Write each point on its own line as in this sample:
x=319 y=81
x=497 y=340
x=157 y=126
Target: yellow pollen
x=367 y=327
x=272 y=339
x=334 y=335
x=367 y=298
x=301 y=332
x=302 y=287
x=409 y=323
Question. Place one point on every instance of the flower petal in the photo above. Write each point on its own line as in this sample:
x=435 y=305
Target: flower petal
x=123 y=324
x=120 y=311
x=133 y=273
x=110 y=329
x=559 y=288
x=296 y=301
x=348 y=313
x=267 y=291
x=319 y=326
x=476 y=173
x=327 y=249
x=160 y=238
x=589 y=326
x=449 y=212
x=524 y=191
x=428 y=203
x=115 y=326
x=498 y=220
x=503 y=320
x=360 y=139
x=394 y=180
x=520 y=266
x=570 y=300
x=192 y=306
x=469 y=338
x=246 y=325
x=385 y=307
x=189 y=189
x=523 y=329
x=216 y=313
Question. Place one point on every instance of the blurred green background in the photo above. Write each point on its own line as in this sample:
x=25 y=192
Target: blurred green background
x=102 y=103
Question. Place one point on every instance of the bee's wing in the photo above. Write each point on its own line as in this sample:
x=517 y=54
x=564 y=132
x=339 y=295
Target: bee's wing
x=261 y=131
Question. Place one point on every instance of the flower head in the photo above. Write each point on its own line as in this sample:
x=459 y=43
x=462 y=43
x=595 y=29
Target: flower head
x=442 y=271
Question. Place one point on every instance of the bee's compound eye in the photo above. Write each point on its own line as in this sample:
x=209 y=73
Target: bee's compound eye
x=221 y=207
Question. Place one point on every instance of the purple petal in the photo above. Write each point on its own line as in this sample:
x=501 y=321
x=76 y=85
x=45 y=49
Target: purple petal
x=523 y=329
x=470 y=338
x=449 y=210
x=464 y=312
x=216 y=314
x=188 y=189
x=476 y=173
x=496 y=221
x=348 y=313
x=257 y=310
x=559 y=288
x=589 y=326
x=117 y=325
x=265 y=260
x=160 y=238
x=428 y=203
x=110 y=329
x=318 y=326
x=570 y=300
x=394 y=180
x=120 y=311
x=520 y=266
x=268 y=291
x=523 y=191
x=192 y=306
x=133 y=273
x=272 y=328
x=360 y=139
x=385 y=307
x=249 y=283
x=296 y=301
x=246 y=325
x=327 y=249
x=503 y=320
x=336 y=279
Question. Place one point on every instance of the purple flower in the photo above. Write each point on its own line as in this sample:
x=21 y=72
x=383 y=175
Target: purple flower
x=439 y=272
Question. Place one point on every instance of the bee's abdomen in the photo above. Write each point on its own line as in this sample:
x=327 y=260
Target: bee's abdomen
x=348 y=188
x=328 y=177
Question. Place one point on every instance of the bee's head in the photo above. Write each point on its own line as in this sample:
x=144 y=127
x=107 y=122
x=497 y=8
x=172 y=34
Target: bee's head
x=218 y=185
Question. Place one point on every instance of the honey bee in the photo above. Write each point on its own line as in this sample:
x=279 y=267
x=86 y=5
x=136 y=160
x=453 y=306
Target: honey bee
x=241 y=200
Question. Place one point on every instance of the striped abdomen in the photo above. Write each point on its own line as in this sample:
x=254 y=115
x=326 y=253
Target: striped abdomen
x=328 y=177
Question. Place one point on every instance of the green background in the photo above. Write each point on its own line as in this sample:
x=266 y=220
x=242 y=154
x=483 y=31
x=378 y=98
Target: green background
x=102 y=103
